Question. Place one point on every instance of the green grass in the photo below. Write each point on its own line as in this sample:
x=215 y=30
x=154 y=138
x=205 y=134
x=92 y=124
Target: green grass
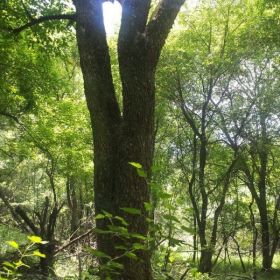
x=226 y=271
x=7 y=234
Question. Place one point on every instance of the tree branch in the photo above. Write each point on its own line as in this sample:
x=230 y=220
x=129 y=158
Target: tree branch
x=185 y=110
x=134 y=19
x=28 y=14
x=27 y=220
x=63 y=247
x=160 y=24
x=8 y=115
x=11 y=209
x=36 y=21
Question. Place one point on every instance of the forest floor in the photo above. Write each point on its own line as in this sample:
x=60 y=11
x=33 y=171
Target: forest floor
x=233 y=271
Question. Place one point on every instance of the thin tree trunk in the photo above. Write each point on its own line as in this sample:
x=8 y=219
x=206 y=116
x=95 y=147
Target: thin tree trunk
x=239 y=254
x=255 y=239
x=74 y=206
x=194 y=239
x=46 y=264
x=205 y=264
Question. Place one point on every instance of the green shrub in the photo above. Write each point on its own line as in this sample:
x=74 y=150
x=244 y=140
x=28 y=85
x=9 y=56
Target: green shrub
x=10 y=269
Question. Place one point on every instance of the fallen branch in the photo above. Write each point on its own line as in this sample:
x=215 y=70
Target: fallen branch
x=233 y=275
x=73 y=241
x=185 y=273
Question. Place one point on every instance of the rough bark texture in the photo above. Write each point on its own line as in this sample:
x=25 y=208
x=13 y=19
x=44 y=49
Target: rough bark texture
x=122 y=138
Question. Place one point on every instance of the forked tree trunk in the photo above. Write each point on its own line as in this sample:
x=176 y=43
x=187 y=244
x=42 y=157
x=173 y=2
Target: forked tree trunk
x=122 y=138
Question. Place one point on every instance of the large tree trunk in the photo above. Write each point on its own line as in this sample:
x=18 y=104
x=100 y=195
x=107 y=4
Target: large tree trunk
x=120 y=139
x=103 y=108
x=255 y=239
x=266 y=259
x=205 y=262
x=46 y=264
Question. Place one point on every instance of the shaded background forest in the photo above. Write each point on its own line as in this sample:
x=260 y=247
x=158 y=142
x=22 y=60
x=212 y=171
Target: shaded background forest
x=215 y=193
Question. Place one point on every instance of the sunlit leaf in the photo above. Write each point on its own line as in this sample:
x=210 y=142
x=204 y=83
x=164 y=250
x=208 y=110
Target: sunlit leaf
x=13 y=244
x=35 y=239
x=37 y=253
x=133 y=211
x=100 y=216
x=136 y=164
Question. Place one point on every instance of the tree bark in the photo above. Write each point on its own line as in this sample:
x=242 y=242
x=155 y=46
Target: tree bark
x=205 y=264
x=46 y=264
x=255 y=239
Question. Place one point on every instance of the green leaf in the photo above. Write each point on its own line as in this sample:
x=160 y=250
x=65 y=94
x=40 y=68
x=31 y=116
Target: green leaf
x=138 y=235
x=148 y=206
x=122 y=220
x=20 y=263
x=1 y=278
x=135 y=164
x=164 y=195
x=13 y=244
x=171 y=259
x=7 y=270
x=102 y=231
x=37 y=253
x=121 y=247
x=133 y=211
x=141 y=173
x=97 y=253
x=115 y=265
x=99 y=216
x=107 y=214
x=131 y=255
x=118 y=229
x=8 y=264
x=138 y=246
x=35 y=239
